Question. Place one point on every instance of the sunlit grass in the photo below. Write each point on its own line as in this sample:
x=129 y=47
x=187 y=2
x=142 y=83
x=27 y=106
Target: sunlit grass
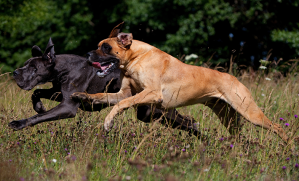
x=137 y=151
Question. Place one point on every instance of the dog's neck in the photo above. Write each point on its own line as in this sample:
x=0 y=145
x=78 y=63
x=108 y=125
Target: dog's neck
x=63 y=68
x=133 y=55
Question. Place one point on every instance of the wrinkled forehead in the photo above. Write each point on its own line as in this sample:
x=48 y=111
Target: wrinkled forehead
x=31 y=60
x=110 y=41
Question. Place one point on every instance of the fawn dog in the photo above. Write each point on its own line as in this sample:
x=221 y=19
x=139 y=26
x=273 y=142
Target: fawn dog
x=151 y=76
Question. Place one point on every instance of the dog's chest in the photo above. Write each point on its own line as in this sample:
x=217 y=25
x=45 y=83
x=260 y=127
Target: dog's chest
x=136 y=82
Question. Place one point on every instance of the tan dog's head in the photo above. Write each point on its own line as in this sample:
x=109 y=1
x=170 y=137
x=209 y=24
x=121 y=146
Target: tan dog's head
x=111 y=52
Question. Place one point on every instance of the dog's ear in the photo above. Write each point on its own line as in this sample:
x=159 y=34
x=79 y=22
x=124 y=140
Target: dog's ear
x=116 y=30
x=36 y=51
x=49 y=53
x=125 y=39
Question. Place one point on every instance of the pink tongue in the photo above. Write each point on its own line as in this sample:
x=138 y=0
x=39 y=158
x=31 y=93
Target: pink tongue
x=96 y=65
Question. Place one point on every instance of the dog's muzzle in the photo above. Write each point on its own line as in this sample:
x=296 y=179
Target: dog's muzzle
x=110 y=68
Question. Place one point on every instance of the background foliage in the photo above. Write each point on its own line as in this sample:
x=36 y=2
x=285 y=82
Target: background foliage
x=202 y=27
x=73 y=149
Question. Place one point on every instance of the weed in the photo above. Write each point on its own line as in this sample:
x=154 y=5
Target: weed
x=74 y=149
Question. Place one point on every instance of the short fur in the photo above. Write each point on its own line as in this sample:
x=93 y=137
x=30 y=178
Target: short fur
x=151 y=76
x=71 y=73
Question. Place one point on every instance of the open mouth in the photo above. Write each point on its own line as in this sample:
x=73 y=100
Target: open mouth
x=104 y=68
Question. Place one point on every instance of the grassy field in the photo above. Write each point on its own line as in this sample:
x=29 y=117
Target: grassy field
x=72 y=149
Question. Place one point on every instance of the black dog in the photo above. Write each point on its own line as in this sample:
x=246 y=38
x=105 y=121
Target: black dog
x=72 y=73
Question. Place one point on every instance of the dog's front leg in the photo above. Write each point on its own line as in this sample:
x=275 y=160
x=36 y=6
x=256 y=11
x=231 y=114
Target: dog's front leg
x=144 y=97
x=102 y=98
x=52 y=94
x=66 y=109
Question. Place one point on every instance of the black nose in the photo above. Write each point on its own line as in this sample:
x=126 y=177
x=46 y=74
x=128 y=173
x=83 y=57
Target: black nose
x=15 y=73
x=88 y=54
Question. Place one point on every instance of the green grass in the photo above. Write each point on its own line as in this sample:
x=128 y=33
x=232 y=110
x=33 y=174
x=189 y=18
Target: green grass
x=137 y=151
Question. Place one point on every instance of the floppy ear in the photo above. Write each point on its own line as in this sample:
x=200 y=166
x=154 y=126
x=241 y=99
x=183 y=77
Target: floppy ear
x=49 y=53
x=36 y=51
x=125 y=39
x=116 y=30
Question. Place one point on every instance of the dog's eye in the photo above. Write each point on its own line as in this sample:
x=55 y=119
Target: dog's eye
x=106 y=48
x=34 y=69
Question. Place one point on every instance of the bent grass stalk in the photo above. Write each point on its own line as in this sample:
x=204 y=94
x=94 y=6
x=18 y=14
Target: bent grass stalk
x=263 y=153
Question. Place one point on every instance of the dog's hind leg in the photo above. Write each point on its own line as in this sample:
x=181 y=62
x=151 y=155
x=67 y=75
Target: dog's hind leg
x=171 y=118
x=227 y=115
x=239 y=97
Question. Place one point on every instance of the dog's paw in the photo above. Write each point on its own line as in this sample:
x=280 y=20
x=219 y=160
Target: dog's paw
x=80 y=96
x=97 y=101
x=108 y=124
x=17 y=125
x=39 y=108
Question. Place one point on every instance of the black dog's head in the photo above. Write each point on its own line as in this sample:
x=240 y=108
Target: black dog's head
x=38 y=69
x=104 y=58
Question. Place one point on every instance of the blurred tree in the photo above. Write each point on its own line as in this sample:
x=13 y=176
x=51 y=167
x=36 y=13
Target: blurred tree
x=24 y=23
x=202 y=27
x=216 y=26
x=17 y=19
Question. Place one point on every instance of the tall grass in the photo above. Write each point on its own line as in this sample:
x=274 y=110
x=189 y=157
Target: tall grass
x=74 y=149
